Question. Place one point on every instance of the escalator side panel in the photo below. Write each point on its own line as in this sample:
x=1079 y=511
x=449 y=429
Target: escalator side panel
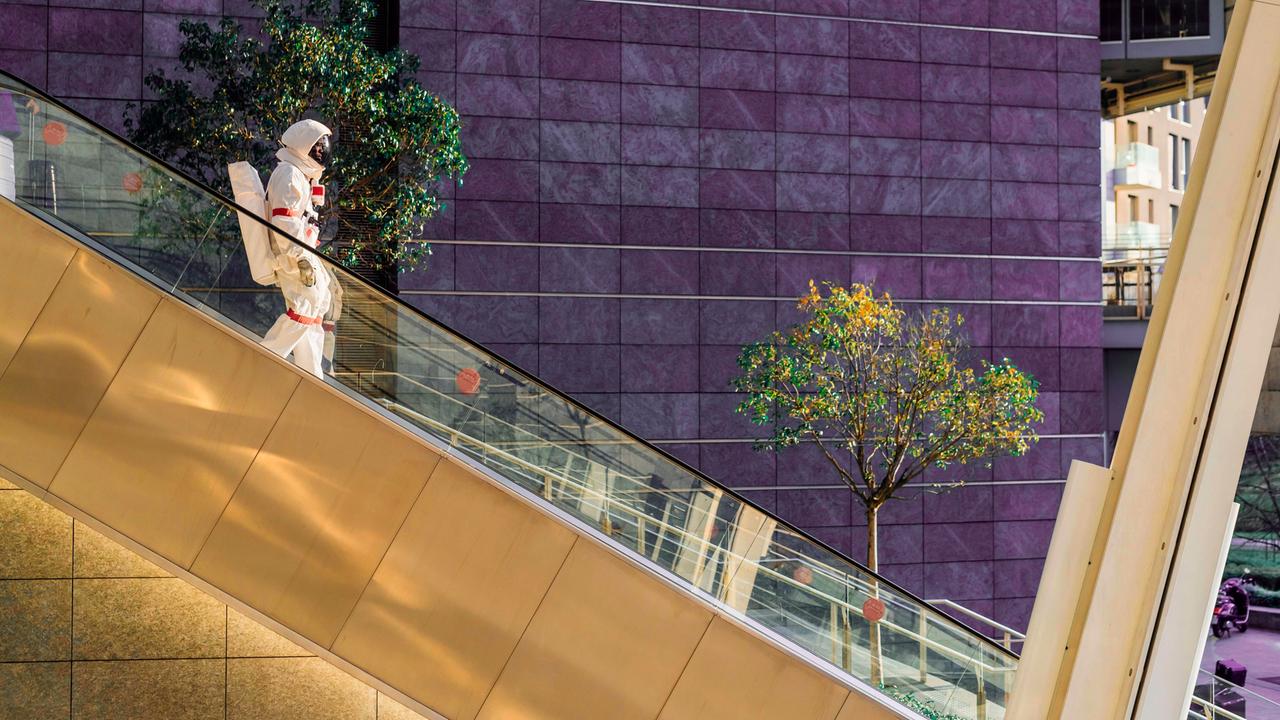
x=28 y=276
x=59 y=374
x=316 y=512
x=175 y=432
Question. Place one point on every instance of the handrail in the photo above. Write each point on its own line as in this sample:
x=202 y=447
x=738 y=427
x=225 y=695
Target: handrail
x=1010 y=635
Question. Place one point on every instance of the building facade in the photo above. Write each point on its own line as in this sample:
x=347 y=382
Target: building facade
x=652 y=186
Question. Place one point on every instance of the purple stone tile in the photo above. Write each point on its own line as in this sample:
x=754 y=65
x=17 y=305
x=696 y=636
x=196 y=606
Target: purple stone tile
x=1081 y=412
x=581 y=101
x=954 y=12
x=94 y=76
x=737 y=70
x=886 y=79
x=738 y=274
x=813 y=192
x=959 y=580
x=578 y=320
x=955 y=47
x=977 y=322
x=1027 y=502
x=898 y=276
x=659 y=105
x=737 y=149
x=1078 y=91
x=440 y=226
x=813 y=74
x=594 y=224
x=523 y=355
x=500 y=221
x=1030 y=126
x=580 y=368
x=1080 y=281
x=813 y=231
x=581 y=59
x=957 y=235
x=669 y=26
x=659 y=64
x=607 y=405
x=1022 y=539
x=719 y=419
x=836 y=8
x=813 y=36
x=905 y=508
x=92 y=31
x=578 y=270
x=955 y=83
x=1018 y=578
x=657 y=415
x=962 y=505
x=1085 y=449
x=884 y=118
x=1024 y=237
x=495 y=95
x=496 y=267
x=501 y=180
x=194 y=7
x=576 y=19
x=1025 y=88
x=735 y=109
x=501 y=137
x=958 y=542
x=813 y=114
x=899 y=544
x=435 y=274
x=108 y=113
x=796 y=271
x=497 y=319
x=1079 y=55
x=659 y=226
x=1078 y=128
x=660 y=322
x=880 y=10
x=956 y=198
x=734 y=322
x=161 y=36
x=686 y=453
x=580 y=142
x=954 y=121
x=28 y=65
x=1031 y=52
x=424 y=14
x=1025 y=201
x=1081 y=368
x=957 y=278
x=662 y=272
x=670 y=187
x=519 y=17
x=437 y=49
x=736 y=228
x=884 y=156
x=1078 y=165
x=717 y=367
x=579 y=183
x=1041 y=456
x=738 y=31
x=1041 y=462
x=1079 y=203
x=736 y=189
x=442 y=85
x=1078 y=16
x=884 y=232
x=1032 y=163
x=956 y=160
x=1025 y=325
x=815 y=508
x=1080 y=239
x=1024 y=279
x=884 y=42
x=811 y=153
x=884 y=195
x=656 y=145
x=1040 y=363
x=1014 y=612
x=1024 y=14
x=496 y=54
x=804 y=464
x=737 y=465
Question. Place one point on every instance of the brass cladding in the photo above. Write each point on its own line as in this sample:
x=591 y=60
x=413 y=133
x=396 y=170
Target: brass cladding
x=27 y=277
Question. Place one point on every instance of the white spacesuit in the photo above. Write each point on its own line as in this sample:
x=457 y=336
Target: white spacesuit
x=309 y=288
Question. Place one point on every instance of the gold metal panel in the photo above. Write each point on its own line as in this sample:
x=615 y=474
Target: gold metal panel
x=169 y=689
x=35 y=538
x=457 y=588
x=734 y=676
x=60 y=372
x=247 y=638
x=608 y=641
x=35 y=690
x=295 y=689
x=35 y=620
x=175 y=433
x=314 y=515
x=35 y=256
x=98 y=556
x=859 y=707
x=131 y=619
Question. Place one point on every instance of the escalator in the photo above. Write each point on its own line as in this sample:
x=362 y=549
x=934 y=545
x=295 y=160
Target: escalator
x=445 y=527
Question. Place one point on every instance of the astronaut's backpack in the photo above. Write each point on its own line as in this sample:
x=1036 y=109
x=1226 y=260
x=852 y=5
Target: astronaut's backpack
x=246 y=186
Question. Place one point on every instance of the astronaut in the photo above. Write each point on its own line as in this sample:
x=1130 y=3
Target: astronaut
x=309 y=287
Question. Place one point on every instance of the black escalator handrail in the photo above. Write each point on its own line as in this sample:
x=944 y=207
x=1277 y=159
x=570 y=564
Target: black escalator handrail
x=384 y=294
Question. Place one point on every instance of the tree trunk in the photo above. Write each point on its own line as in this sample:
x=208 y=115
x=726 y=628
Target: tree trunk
x=873 y=591
x=873 y=550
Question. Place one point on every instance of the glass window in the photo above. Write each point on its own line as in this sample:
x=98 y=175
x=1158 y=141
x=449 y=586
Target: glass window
x=1133 y=208
x=1186 y=111
x=1151 y=211
x=1159 y=19
x=1186 y=160
x=1173 y=111
x=1173 y=217
x=1175 y=173
x=1112 y=19
x=1133 y=131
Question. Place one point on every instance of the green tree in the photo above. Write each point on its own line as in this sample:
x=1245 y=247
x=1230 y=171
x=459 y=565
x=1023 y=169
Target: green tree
x=883 y=395
x=397 y=143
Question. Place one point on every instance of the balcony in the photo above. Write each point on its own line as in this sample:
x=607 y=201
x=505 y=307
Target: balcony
x=1137 y=168
x=1130 y=279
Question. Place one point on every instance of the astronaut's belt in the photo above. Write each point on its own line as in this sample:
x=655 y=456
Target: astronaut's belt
x=284 y=212
x=302 y=318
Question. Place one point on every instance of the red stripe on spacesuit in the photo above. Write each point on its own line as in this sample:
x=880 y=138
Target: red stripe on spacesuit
x=302 y=318
x=317 y=190
x=284 y=212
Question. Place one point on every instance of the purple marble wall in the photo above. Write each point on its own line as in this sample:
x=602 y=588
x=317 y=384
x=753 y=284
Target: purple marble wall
x=651 y=186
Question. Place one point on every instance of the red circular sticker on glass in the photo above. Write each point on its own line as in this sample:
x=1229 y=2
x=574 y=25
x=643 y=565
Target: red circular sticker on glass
x=132 y=182
x=873 y=609
x=55 y=133
x=468 y=381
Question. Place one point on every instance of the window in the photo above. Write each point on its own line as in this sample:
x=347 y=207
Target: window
x=1173 y=112
x=1151 y=211
x=1175 y=172
x=1186 y=160
x=1173 y=217
x=1133 y=131
x=1151 y=136
x=1186 y=111
x=1133 y=208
